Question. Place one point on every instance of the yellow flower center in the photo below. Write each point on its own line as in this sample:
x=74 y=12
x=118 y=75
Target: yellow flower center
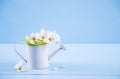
x=43 y=37
x=50 y=39
x=20 y=68
x=33 y=38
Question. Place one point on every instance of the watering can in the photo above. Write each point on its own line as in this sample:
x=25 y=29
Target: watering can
x=37 y=56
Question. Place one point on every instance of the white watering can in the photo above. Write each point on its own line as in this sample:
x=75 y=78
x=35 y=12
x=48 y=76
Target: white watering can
x=37 y=56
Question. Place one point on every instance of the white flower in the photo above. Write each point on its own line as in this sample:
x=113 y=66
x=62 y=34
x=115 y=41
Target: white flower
x=32 y=38
x=49 y=36
x=43 y=37
x=42 y=34
x=46 y=40
x=55 y=36
x=19 y=67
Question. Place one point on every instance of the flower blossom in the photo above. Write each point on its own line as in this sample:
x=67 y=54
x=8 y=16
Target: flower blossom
x=41 y=38
x=19 y=67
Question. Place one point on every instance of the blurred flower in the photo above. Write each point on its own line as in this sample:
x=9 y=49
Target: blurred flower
x=19 y=67
x=32 y=38
x=42 y=34
x=41 y=38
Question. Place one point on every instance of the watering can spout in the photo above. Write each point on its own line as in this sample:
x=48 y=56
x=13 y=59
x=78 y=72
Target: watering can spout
x=62 y=47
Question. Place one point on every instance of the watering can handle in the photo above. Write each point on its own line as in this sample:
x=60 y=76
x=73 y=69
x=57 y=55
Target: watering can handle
x=19 y=53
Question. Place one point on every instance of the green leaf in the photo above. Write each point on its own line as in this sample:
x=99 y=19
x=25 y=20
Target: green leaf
x=37 y=43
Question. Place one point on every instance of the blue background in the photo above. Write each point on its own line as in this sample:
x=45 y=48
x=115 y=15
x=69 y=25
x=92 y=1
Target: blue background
x=77 y=21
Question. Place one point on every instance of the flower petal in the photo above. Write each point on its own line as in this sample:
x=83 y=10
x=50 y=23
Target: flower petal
x=32 y=42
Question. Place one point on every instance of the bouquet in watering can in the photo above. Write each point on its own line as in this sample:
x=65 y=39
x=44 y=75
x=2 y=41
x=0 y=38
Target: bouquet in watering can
x=41 y=38
x=37 y=39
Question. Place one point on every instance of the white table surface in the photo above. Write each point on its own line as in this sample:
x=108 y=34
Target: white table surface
x=81 y=61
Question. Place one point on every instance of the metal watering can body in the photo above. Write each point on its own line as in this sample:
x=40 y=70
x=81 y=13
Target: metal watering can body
x=38 y=56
